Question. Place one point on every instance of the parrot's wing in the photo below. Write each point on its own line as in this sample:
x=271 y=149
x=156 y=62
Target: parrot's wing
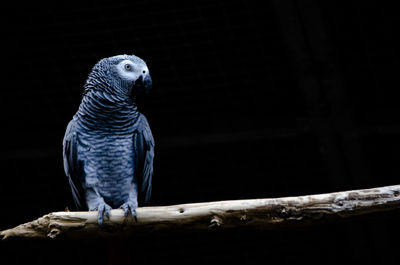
x=144 y=155
x=72 y=166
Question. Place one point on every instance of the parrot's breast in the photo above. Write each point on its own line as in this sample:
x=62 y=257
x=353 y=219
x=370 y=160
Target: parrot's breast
x=109 y=166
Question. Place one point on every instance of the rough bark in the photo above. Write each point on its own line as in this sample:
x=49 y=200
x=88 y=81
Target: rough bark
x=236 y=214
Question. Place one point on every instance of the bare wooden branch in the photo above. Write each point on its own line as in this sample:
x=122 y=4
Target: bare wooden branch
x=237 y=214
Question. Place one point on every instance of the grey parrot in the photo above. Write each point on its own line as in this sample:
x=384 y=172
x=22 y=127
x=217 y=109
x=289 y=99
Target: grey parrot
x=108 y=147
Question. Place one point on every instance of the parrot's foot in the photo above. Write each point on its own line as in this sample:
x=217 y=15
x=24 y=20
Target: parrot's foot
x=104 y=209
x=129 y=207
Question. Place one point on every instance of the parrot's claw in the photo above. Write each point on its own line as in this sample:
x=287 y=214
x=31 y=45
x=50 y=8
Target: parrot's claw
x=129 y=207
x=104 y=209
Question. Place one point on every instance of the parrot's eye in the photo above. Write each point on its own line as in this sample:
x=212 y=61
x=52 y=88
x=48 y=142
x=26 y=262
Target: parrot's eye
x=128 y=67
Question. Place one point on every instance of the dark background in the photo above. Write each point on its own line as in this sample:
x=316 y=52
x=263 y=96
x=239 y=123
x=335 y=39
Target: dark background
x=249 y=101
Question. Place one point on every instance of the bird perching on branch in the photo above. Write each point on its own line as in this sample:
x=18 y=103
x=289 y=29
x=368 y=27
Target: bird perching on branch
x=108 y=146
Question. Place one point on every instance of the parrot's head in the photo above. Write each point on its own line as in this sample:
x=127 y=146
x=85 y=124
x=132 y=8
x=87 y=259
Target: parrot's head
x=124 y=75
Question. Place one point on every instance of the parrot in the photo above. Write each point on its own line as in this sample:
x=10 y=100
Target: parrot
x=108 y=147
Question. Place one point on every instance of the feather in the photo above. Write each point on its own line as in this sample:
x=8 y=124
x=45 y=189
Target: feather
x=71 y=163
x=144 y=154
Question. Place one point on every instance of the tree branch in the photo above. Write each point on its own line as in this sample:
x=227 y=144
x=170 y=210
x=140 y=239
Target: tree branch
x=237 y=214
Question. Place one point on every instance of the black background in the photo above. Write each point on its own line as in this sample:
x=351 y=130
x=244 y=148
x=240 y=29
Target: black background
x=249 y=101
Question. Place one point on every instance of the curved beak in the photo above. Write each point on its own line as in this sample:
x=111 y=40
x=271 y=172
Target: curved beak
x=143 y=84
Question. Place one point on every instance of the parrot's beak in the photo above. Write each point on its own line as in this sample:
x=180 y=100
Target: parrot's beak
x=142 y=84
